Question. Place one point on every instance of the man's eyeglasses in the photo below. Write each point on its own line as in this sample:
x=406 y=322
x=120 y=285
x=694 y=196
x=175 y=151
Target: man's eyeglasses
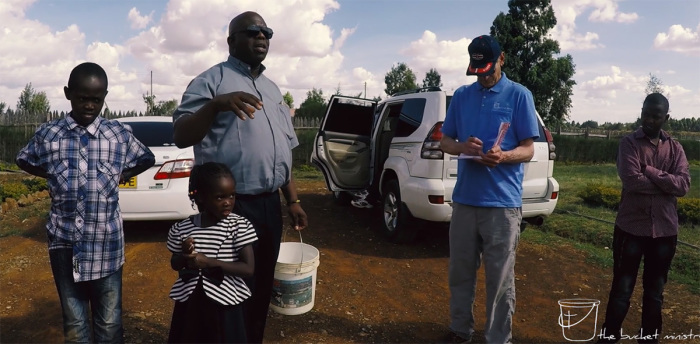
x=255 y=30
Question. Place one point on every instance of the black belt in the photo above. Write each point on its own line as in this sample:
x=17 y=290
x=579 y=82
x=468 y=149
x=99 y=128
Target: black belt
x=260 y=195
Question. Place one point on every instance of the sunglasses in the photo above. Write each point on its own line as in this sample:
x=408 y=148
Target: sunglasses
x=255 y=30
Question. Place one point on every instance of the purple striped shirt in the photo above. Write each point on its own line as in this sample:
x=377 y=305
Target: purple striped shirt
x=648 y=205
x=84 y=166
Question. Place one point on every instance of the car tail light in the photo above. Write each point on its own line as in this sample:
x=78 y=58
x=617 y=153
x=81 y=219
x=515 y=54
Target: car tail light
x=554 y=195
x=174 y=169
x=431 y=145
x=550 y=143
x=436 y=199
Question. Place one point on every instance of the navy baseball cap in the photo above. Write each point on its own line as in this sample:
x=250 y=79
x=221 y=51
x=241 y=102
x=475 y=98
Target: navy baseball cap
x=484 y=51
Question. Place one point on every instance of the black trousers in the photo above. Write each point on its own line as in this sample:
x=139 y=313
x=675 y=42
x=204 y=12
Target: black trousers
x=264 y=211
x=628 y=251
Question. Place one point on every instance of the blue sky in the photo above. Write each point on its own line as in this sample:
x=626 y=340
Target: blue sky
x=329 y=44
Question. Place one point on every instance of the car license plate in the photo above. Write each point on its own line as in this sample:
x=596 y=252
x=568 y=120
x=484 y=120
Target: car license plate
x=129 y=184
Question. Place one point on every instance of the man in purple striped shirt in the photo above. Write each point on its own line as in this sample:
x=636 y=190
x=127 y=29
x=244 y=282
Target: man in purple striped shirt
x=654 y=172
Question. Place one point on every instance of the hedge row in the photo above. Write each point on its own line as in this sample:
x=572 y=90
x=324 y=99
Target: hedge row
x=599 y=150
x=26 y=186
x=606 y=196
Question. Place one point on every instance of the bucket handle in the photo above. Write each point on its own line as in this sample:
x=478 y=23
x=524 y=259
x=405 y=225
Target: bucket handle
x=301 y=241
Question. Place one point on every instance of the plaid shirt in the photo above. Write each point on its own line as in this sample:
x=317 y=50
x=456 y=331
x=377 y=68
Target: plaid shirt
x=84 y=165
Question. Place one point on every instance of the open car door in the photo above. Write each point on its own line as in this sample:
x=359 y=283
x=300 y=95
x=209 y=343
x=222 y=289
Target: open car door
x=342 y=148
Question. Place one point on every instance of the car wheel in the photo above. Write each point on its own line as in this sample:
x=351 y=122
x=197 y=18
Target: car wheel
x=523 y=225
x=397 y=221
x=342 y=198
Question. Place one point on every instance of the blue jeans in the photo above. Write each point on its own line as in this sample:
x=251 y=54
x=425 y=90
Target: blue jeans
x=103 y=296
x=628 y=251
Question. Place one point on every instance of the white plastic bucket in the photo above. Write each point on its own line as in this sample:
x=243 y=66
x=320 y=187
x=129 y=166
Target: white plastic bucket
x=578 y=319
x=294 y=286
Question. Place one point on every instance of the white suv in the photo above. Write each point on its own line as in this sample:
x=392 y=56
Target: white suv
x=392 y=149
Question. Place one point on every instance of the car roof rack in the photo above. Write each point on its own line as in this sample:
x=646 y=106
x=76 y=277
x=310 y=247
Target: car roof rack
x=418 y=90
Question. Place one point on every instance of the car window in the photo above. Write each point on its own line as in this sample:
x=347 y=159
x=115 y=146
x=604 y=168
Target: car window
x=350 y=116
x=411 y=116
x=153 y=134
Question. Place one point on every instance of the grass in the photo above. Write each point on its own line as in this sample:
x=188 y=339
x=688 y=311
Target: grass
x=594 y=235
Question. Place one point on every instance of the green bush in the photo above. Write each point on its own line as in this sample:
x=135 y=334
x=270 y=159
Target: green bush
x=601 y=195
x=13 y=190
x=600 y=150
x=689 y=210
x=35 y=184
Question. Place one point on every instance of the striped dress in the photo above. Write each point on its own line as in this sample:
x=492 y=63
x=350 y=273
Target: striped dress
x=222 y=241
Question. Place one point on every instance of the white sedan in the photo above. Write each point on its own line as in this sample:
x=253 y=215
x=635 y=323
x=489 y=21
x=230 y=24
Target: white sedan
x=159 y=193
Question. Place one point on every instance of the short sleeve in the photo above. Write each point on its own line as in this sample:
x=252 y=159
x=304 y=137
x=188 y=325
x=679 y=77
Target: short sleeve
x=527 y=127
x=137 y=153
x=31 y=153
x=449 y=126
x=174 y=243
x=246 y=234
x=199 y=91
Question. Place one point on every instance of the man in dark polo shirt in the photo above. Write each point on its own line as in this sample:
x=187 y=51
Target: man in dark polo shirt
x=233 y=114
x=654 y=172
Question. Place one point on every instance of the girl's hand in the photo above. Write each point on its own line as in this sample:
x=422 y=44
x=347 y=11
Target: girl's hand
x=197 y=261
x=188 y=246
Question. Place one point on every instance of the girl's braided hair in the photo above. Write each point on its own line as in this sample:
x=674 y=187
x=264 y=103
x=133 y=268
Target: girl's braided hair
x=203 y=176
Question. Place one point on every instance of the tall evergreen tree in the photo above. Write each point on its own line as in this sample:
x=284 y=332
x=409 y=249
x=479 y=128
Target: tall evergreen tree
x=32 y=101
x=288 y=99
x=530 y=57
x=432 y=78
x=399 y=78
x=314 y=106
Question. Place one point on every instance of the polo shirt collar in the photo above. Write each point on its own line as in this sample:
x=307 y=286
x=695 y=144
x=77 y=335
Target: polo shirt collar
x=498 y=87
x=91 y=129
x=244 y=67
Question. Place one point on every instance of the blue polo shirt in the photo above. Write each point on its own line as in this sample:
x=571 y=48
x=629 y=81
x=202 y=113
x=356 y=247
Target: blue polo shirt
x=477 y=111
x=258 y=151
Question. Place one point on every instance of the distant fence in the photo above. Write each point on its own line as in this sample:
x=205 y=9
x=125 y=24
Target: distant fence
x=617 y=134
x=14 y=135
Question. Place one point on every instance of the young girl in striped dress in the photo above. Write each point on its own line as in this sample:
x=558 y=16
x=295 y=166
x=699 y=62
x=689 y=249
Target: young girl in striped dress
x=211 y=252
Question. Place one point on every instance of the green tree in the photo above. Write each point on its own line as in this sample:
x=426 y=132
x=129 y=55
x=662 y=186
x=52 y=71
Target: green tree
x=288 y=99
x=32 y=101
x=162 y=108
x=530 y=57
x=654 y=85
x=589 y=124
x=314 y=106
x=432 y=78
x=399 y=78
x=2 y=107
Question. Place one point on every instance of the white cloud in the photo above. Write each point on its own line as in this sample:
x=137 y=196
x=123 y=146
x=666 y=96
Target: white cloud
x=137 y=20
x=191 y=37
x=679 y=39
x=567 y=11
x=606 y=87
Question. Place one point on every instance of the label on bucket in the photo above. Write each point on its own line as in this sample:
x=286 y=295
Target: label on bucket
x=292 y=294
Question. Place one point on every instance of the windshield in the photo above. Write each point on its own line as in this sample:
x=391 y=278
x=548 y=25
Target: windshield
x=153 y=134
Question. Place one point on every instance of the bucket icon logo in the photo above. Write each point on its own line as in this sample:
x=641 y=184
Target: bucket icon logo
x=578 y=319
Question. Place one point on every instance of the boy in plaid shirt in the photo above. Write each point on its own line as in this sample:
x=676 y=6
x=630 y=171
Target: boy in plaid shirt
x=84 y=157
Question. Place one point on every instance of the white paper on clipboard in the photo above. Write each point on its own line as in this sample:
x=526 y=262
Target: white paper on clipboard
x=463 y=156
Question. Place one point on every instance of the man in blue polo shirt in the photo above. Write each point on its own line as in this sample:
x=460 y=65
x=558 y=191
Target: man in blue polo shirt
x=492 y=125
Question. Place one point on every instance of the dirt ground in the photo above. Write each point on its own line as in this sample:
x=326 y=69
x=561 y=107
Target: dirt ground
x=368 y=290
